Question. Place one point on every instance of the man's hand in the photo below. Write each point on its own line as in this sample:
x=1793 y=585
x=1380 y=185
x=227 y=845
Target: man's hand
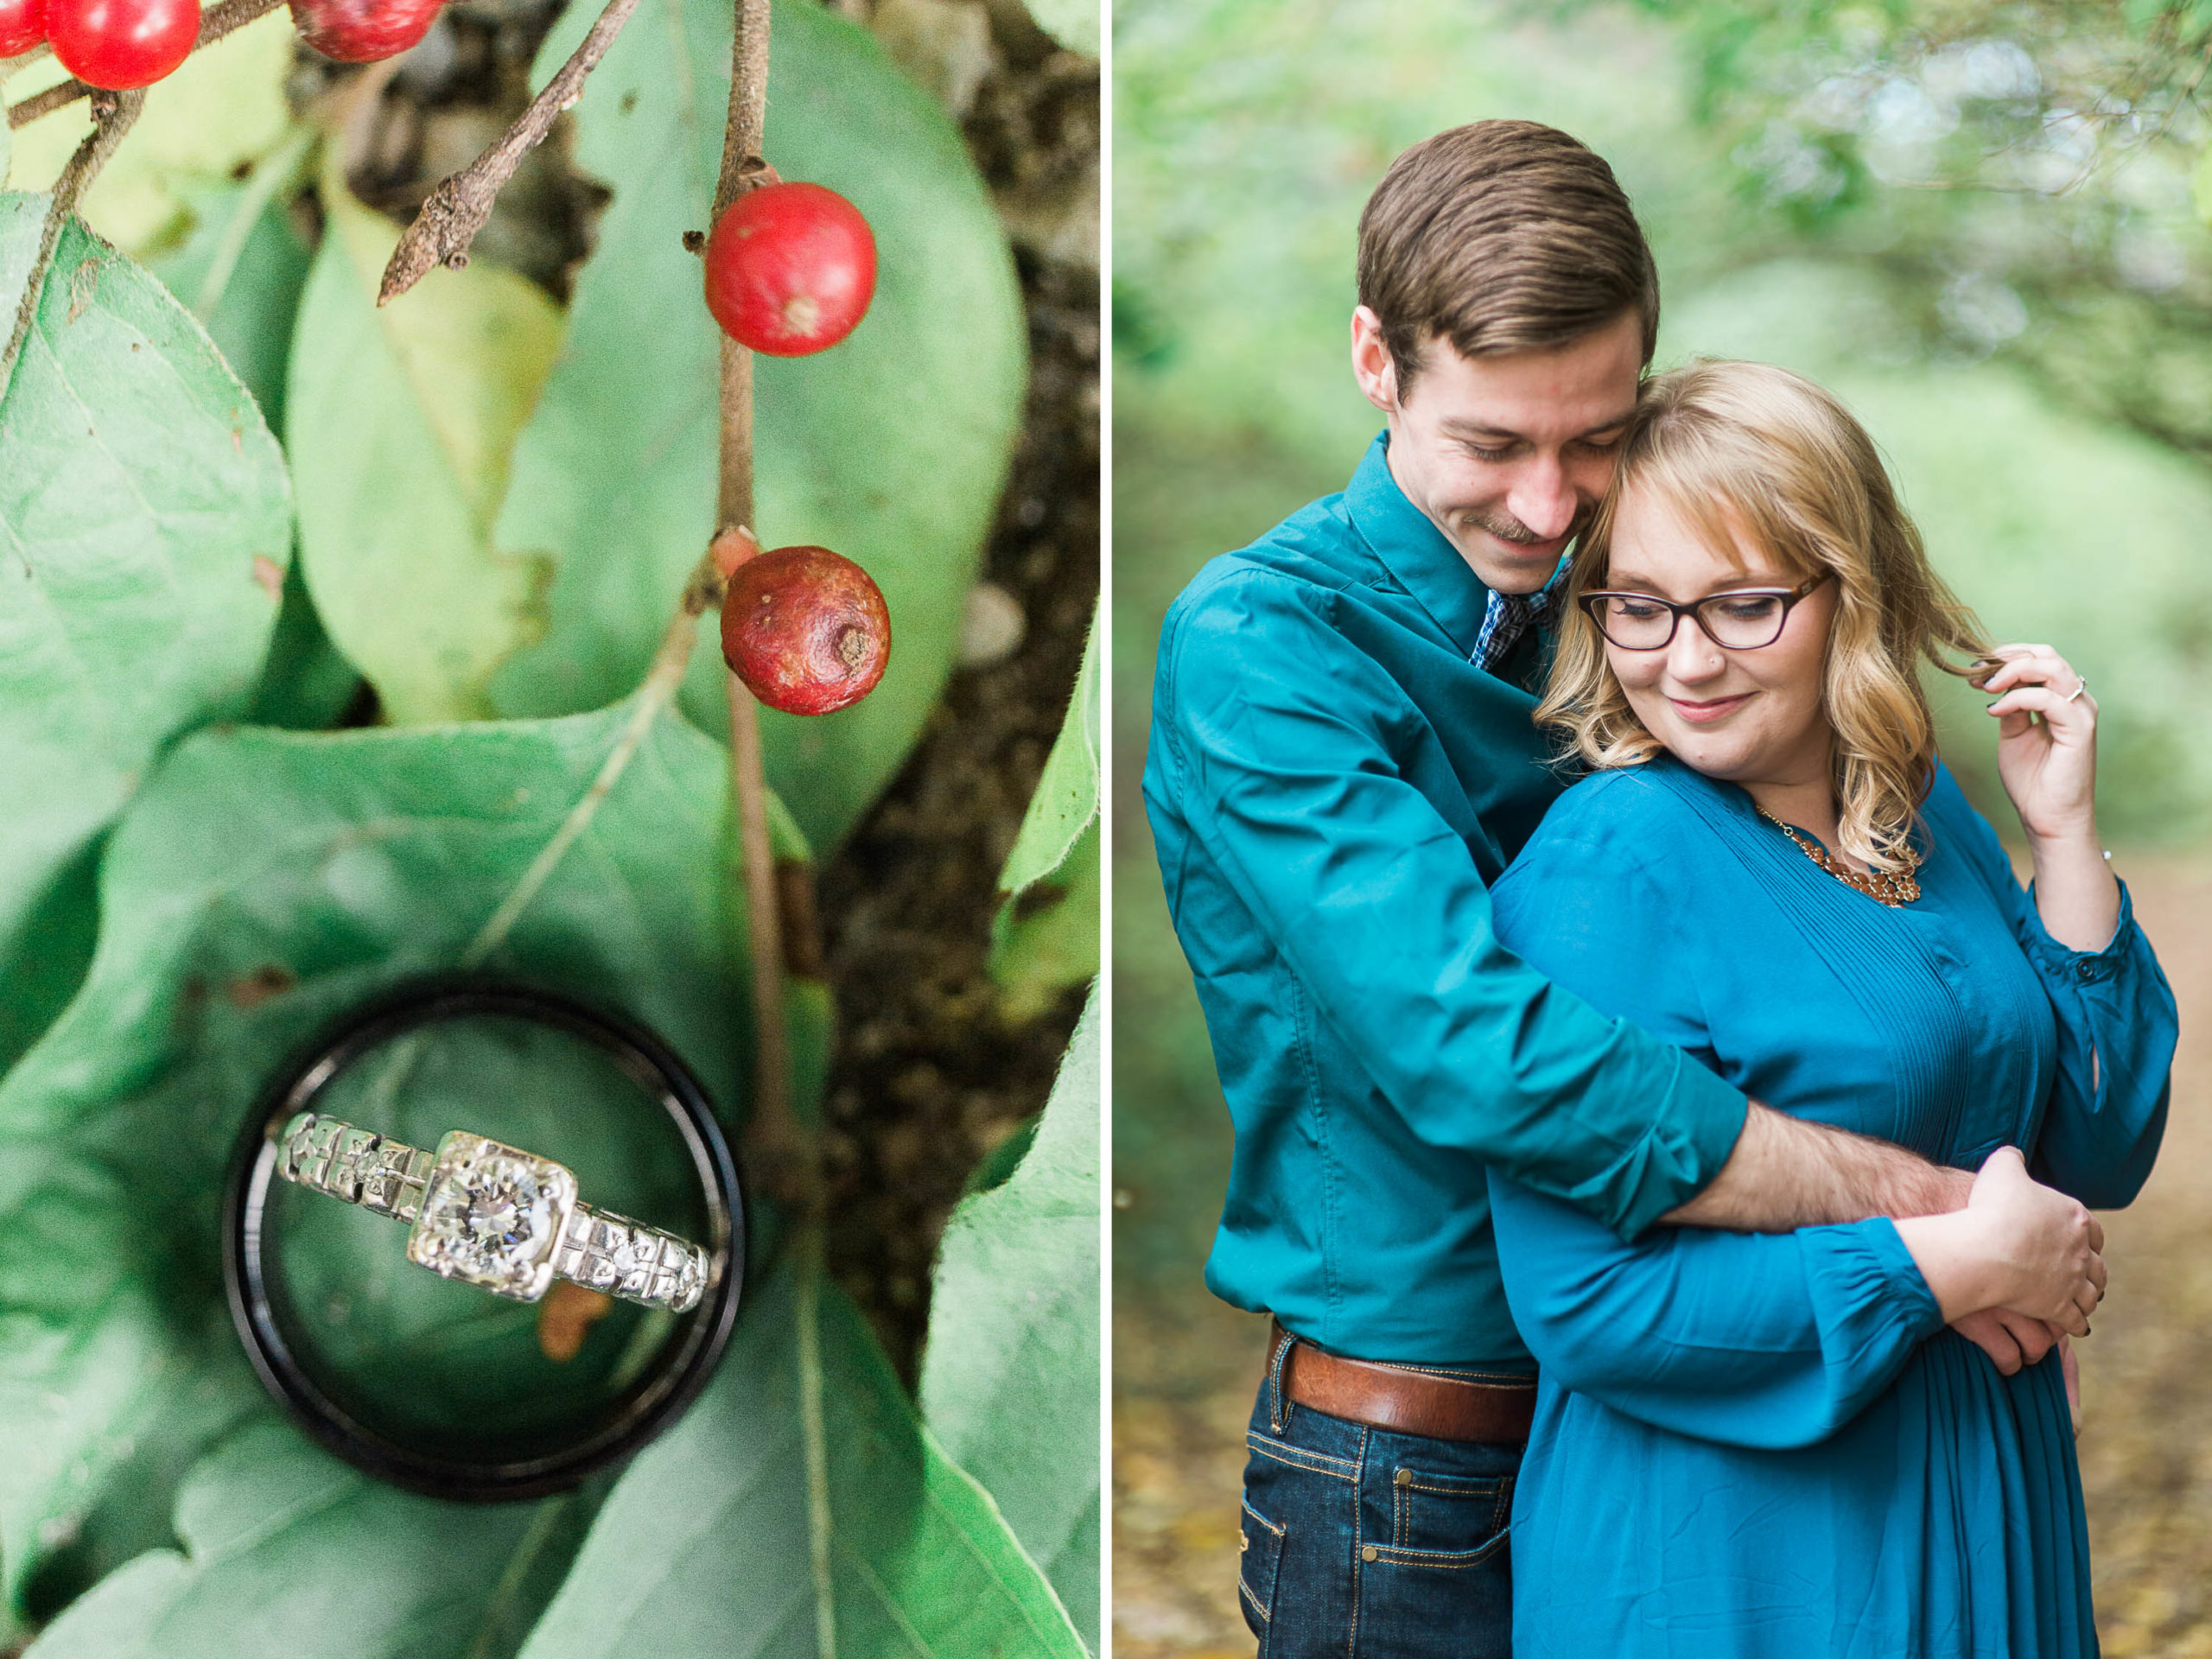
x=2012 y=1340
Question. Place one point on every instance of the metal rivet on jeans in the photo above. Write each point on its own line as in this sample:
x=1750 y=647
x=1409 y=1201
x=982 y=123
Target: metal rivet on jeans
x=1404 y=1477
x=1368 y=1553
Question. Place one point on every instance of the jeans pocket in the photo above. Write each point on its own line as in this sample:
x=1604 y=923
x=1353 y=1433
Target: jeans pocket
x=1447 y=1520
x=1259 y=1559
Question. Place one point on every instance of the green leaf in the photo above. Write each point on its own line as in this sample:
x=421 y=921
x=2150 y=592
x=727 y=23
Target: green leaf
x=145 y=525
x=701 y=1547
x=1073 y=24
x=1013 y=1336
x=1046 y=935
x=399 y=425
x=315 y=1558
x=1047 y=940
x=264 y=883
x=890 y=447
x=238 y=264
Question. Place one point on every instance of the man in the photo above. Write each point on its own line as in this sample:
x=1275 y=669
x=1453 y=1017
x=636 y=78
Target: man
x=1342 y=759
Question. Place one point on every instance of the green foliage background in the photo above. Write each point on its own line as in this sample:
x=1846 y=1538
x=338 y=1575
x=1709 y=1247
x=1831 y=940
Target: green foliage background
x=1975 y=221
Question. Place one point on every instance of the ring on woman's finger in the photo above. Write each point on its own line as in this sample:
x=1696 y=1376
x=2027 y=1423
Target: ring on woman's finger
x=2080 y=686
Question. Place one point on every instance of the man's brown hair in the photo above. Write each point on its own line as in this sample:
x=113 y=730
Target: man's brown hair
x=1502 y=236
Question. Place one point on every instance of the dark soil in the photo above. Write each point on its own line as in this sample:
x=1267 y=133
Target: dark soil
x=928 y=1076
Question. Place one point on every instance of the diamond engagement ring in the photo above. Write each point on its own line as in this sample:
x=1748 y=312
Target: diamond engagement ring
x=2082 y=685
x=494 y=1215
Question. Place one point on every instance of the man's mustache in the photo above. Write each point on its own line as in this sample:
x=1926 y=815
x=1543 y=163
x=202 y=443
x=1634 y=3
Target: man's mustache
x=1512 y=530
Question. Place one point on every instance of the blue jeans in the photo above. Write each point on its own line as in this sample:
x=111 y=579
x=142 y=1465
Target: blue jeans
x=1362 y=1544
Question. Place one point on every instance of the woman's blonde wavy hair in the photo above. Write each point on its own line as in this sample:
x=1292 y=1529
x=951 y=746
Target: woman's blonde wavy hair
x=1749 y=454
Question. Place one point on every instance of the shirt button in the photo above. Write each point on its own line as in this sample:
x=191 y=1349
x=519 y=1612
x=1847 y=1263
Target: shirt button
x=1404 y=1477
x=1369 y=1554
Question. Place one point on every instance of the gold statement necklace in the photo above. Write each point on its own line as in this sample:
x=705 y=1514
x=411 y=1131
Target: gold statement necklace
x=1891 y=887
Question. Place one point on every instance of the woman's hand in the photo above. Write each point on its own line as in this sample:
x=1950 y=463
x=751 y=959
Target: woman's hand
x=2050 y=769
x=2049 y=766
x=2018 y=1244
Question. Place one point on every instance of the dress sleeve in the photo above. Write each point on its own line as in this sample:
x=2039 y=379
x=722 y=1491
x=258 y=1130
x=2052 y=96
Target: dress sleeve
x=1283 y=749
x=1751 y=1339
x=1757 y=1340
x=2106 y=1114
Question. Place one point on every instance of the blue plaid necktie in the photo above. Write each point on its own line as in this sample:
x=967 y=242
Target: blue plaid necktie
x=1506 y=619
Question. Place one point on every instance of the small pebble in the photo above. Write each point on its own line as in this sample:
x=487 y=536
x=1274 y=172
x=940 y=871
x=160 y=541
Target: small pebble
x=991 y=625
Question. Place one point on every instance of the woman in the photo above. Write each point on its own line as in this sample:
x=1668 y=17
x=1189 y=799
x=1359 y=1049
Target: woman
x=1751 y=1444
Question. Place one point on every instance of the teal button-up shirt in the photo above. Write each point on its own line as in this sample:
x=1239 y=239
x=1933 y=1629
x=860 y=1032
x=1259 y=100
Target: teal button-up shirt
x=1333 y=785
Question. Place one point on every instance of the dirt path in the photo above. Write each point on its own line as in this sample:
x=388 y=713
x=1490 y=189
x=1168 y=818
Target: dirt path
x=1185 y=1374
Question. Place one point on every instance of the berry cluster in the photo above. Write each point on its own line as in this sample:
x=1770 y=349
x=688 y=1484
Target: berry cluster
x=121 y=44
x=791 y=268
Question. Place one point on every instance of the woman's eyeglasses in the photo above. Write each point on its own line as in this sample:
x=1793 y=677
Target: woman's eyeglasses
x=1742 y=619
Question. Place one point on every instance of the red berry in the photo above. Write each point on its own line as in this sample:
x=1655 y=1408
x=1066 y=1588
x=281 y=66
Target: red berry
x=790 y=269
x=119 y=44
x=363 y=31
x=806 y=629
x=22 y=25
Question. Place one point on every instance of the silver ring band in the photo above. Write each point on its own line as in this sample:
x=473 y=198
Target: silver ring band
x=494 y=1216
x=2079 y=689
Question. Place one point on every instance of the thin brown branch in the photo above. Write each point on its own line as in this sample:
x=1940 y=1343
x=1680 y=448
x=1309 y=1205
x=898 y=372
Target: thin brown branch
x=113 y=114
x=225 y=19
x=456 y=210
x=783 y=1150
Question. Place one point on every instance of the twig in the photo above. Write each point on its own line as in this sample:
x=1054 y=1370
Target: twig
x=776 y=1129
x=113 y=114
x=227 y=18
x=778 y=1136
x=456 y=210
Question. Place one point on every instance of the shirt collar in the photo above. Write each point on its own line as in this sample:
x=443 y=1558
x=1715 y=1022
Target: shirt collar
x=1414 y=550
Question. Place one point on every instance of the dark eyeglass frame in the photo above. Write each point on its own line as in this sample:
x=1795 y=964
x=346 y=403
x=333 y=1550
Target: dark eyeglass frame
x=1593 y=604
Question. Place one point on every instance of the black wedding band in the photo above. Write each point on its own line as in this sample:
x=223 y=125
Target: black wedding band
x=486 y=1469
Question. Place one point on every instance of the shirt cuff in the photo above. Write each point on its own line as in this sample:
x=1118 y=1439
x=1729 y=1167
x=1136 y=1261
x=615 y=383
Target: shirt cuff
x=1692 y=1134
x=2083 y=967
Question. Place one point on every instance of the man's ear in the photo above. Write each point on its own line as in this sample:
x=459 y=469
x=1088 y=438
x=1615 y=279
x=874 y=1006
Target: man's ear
x=1372 y=365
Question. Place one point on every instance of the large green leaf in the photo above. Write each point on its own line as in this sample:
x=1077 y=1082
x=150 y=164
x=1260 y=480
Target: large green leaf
x=1046 y=935
x=1013 y=1336
x=702 y=1550
x=145 y=525
x=264 y=883
x=237 y=262
x=399 y=423
x=290 y=1554
x=890 y=447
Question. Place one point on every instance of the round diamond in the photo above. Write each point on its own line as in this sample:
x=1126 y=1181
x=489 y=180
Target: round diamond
x=490 y=1217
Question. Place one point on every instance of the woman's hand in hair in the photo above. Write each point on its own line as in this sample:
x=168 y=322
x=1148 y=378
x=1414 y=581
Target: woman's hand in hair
x=2046 y=755
x=2046 y=741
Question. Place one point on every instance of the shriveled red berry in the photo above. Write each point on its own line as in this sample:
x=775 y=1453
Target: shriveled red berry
x=806 y=629
x=364 y=31
x=22 y=25
x=119 y=44
x=791 y=268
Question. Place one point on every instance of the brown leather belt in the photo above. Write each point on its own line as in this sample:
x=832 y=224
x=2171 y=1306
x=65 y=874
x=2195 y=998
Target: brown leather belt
x=1405 y=1401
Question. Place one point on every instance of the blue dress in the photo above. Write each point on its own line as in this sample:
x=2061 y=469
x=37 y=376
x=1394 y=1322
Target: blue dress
x=1769 y=1444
